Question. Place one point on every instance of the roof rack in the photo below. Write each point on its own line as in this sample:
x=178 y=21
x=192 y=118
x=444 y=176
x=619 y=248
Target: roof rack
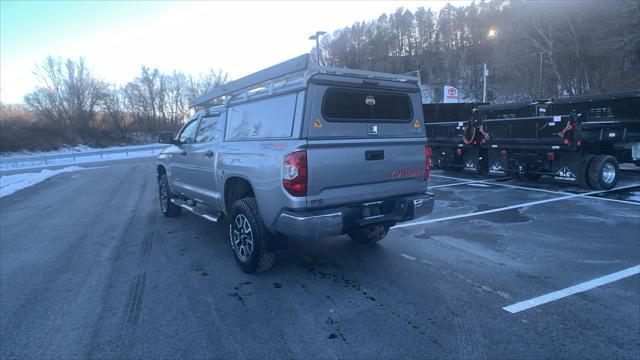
x=285 y=76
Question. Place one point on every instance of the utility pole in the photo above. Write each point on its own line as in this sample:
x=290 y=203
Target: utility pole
x=316 y=37
x=541 y=74
x=485 y=73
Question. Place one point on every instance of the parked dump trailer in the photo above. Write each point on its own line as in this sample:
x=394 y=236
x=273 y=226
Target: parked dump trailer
x=578 y=140
x=451 y=130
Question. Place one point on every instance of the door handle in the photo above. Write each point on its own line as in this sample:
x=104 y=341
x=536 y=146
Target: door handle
x=208 y=153
x=374 y=155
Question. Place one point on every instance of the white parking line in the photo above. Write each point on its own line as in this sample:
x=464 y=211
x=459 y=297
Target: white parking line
x=616 y=200
x=528 y=304
x=566 y=193
x=533 y=189
x=532 y=203
x=466 y=182
x=456 y=184
x=527 y=188
x=408 y=257
x=448 y=177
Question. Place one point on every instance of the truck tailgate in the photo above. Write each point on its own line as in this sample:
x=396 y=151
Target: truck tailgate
x=343 y=171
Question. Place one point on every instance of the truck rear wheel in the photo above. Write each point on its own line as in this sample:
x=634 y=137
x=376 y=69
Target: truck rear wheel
x=168 y=208
x=249 y=237
x=370 y=234
x=603 y=172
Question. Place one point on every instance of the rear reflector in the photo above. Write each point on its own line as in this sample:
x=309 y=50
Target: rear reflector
x=565 y=141
x=294 y=173
x=427 y=162
x=551 y=156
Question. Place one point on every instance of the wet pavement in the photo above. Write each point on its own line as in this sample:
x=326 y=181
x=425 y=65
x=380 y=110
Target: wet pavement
x=89 y=268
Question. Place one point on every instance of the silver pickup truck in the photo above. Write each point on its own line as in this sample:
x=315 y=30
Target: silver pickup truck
x=300 y=150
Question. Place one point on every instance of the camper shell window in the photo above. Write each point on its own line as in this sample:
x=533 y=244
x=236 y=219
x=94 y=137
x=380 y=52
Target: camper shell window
x=354 y=105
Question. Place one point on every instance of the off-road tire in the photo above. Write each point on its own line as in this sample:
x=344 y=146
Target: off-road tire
x=258 y=259
x=599 y=174
x=370 y=234
x=168 y=208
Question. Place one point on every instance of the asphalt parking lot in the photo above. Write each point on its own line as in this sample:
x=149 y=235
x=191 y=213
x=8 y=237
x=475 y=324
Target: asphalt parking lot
x=89 y=268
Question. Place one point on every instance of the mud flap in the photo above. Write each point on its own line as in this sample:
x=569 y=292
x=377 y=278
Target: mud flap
x=496 y=165
x=570 y=168
x=473 y=162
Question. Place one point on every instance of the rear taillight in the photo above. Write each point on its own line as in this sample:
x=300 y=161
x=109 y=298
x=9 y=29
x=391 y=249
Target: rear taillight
x=294 y=173
x=427 y=162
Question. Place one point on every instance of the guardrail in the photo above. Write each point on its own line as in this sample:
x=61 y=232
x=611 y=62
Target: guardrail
x=5 y=163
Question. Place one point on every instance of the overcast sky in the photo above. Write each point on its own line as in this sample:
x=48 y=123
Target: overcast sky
x=116 y=38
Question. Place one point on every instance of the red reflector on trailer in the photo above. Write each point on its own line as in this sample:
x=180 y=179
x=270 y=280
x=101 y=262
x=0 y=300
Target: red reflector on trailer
x=565 y=141
x=578 y=142
x=551 y=156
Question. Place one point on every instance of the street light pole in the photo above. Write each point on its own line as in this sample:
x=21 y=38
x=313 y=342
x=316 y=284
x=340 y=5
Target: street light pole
x=316 y=37
x=541 y=74
x=485 y=73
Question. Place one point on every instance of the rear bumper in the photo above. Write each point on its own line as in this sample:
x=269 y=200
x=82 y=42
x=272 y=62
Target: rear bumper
x=340 y=220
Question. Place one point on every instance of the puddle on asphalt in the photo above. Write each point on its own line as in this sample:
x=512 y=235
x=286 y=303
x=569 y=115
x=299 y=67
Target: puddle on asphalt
x=511 y=216
x=630 y=194
x=475 y=233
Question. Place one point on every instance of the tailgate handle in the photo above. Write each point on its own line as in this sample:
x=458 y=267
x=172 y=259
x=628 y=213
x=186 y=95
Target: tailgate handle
x=374 y=155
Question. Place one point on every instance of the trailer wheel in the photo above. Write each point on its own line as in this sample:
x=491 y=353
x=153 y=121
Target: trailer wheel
x=603 y=172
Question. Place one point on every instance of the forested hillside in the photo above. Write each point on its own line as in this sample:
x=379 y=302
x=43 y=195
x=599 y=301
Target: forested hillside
x=587 y=47
x=584 y=47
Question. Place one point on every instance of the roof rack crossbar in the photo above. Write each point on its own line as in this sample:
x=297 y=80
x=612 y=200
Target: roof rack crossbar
x=296 y=64
x=283 y=76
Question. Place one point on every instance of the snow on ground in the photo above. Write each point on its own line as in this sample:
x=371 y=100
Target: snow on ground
x=12 y=183
x=79 y=149
x=75 y=155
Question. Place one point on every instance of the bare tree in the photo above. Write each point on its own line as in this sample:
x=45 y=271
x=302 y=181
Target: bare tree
x=67 y=95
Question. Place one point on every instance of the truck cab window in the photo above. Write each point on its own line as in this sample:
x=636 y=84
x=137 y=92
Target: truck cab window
x=209 y=129
x=188 y=132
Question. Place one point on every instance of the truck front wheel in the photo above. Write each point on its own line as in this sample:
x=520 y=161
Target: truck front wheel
x=603 y=172
x=370 y=234
x=249 y=237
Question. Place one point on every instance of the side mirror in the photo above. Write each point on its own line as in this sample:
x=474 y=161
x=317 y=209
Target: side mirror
x=165 y=138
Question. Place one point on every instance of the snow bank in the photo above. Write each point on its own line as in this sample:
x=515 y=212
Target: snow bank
x=12 y=183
